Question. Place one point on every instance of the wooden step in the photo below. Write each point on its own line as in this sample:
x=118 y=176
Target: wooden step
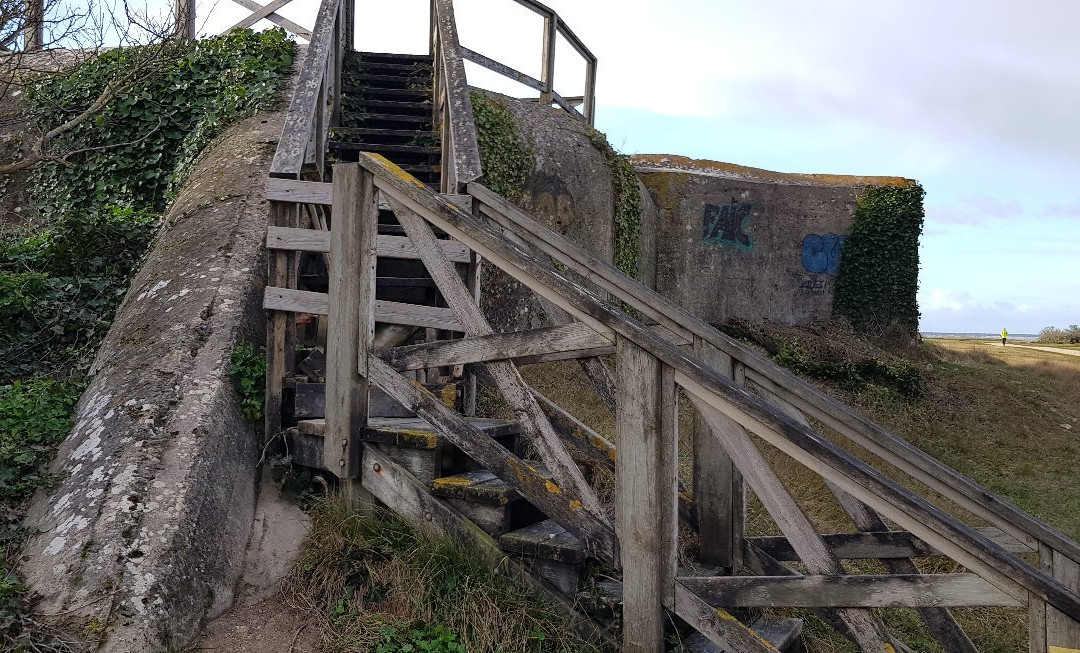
x=391 y=107
x=309 y=400
x=385 y=93
x=393 y=57
x=481 y=486
x=415 y=433
x=385 y=147
x=546 y=540
x=363 y=133
x=416 y=69
x=366 y=117
x=380 y=81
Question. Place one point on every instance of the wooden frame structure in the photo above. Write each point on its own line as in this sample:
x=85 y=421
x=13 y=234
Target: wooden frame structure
x=735 y=392
x=662 y=352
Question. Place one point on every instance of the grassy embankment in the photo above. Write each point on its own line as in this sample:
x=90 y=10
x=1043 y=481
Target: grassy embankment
x=1005 y=416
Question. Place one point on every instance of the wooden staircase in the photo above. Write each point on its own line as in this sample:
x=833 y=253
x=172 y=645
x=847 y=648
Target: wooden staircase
x=374 y=323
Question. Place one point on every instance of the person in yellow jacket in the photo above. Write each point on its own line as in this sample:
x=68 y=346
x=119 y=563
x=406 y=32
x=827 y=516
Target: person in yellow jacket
x=1004 y=336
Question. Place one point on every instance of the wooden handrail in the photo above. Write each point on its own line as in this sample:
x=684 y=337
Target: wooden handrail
x=459 y=128
x=305 y=125
x=713 y=391
x=763 y=372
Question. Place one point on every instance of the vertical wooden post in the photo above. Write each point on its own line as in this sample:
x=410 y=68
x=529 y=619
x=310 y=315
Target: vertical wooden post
x=185 y=19
x=646 y=421
x=350 y=324
x=590 y=92
x=1037 y=607
x=1062 y=631
x=34 y=25
x=280 y=356
x=350 y=24
x=472 y=280
x=718 y=486
x=547 y=71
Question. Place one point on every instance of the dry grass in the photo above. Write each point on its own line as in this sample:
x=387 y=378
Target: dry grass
x=359 y=575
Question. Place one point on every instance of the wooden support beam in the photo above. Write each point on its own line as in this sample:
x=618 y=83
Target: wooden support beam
x=279 y=346
x=262 y=12
x=185 y=19
x=351 y=320
x=534 y=423
x=596 y=537
x=878 y=545
x=647 y=423
x=866 y=629
x=532 y=346
x=718 y=487
x=1062 y=631
x=316 y=240
x=547 y=62
x=870 y=591
x=280 y=21
x=318 y=303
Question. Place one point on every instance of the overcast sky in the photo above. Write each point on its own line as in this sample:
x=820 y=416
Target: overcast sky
x=978 y=100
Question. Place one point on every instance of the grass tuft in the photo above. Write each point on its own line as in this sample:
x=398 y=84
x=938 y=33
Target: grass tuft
x=377 y=584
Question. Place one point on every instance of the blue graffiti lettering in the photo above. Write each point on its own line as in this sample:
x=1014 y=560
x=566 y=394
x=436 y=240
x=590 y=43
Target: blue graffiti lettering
x=821 y=254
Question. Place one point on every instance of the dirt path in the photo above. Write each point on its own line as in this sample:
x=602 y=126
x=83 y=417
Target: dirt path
x=1069 y=352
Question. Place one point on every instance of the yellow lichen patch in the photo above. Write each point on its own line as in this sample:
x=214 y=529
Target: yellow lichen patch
x=598 y=442
x=727 y=616
x=449 y=482
x=397 y=170
x=575 y=504
x=686 y=164
x=449 y=394
x=551 y=487
x=417 y=438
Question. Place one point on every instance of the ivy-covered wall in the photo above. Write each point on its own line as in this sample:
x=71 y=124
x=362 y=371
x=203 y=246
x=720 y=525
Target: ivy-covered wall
x=879 y=267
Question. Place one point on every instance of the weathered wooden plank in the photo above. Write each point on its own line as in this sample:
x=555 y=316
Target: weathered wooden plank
x=879 y=545
x=1037 y=607
x=317 y=303
x=1061 y=630
x=350 y=325
x=870 y=591
x=547 y=342
x=461 y=126
x=783 y=509
x=296 y=134
x=279 y=350
x=646 y=423
x=717 y=624
x=895 y=502
x=504 y=374
x=278 y=20
x=718 y=493
x=502 y=69
x=597 y=537
x=264 y=12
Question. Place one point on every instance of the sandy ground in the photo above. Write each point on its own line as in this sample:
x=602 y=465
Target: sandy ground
x=266 y=627
x=1067 y=352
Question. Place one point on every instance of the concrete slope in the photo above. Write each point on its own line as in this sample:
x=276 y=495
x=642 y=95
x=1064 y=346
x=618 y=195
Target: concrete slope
x=144 y=539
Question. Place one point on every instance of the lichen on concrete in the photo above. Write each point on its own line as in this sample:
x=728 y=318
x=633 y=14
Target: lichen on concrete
x=145 y=536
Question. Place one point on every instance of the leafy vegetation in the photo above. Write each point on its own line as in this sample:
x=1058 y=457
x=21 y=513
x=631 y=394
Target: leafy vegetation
x=879 y=267
x=248 y=369
x=506 y=160
x=61 y=283
x=375 y=583
x=1055 y=336
x=627 y=203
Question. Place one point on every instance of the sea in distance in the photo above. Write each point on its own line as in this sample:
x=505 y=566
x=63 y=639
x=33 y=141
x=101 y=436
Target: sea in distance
x=978 y=336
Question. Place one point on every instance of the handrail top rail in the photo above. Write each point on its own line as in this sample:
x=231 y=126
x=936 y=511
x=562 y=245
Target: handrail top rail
x=548 y=12
x=290 y=155
x=701 y=379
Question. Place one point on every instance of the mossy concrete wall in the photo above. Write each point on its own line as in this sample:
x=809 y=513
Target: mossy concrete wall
x=571 y=191
x=145 y=536
x=732 y=242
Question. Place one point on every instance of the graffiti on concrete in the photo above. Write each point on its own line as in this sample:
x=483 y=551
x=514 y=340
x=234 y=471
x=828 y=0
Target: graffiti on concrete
x=725 y=224
x=821 y=253
x=815 y=286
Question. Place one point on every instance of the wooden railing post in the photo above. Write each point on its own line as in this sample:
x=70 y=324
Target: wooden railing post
x=718 y=486
x=646 y=422
x=590 y=92
x=350 y=324
x=34 y=25
x=280 y=331
x=547 y=74
x=1062 y=632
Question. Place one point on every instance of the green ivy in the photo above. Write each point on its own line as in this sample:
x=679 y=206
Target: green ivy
x=418 y=638
x=506 y=160
x=627 y=202
x=248 y=369
x=34 y=418
x=150 y=134
x=879 y=266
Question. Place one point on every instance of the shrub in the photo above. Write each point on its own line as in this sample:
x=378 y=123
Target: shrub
x=1054 y=335
x=248 y=369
